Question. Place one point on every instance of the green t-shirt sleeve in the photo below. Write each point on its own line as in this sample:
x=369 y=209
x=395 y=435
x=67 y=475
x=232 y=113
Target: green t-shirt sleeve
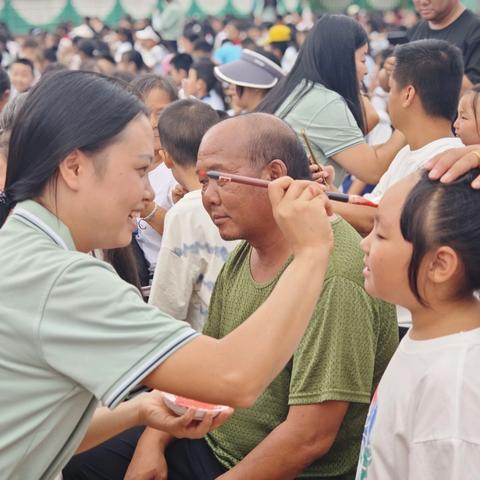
x=96 y=330
x=336 y=357
x=333 y=128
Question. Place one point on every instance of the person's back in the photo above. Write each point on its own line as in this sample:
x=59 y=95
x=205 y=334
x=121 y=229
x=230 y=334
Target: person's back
x=191 y=255
x=192 y=251
x=425 y=85
x=348 y=328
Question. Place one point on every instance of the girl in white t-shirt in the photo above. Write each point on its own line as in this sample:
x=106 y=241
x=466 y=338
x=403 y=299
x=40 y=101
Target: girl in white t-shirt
x=424 y=254
x=467 y=124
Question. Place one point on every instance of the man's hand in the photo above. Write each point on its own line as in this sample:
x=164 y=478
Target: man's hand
x=149 y=465
x=452 y=164
x=301 y=210
x=148 y=461
x=155 y=414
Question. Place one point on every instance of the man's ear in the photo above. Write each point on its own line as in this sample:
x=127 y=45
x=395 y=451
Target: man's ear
x=409 y=93
x=72 y=168
x=276 y=169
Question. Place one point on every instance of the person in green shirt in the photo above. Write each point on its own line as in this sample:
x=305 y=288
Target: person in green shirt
x=321 y=95
x=72 y=333
x=170 y=24
x=309 y=421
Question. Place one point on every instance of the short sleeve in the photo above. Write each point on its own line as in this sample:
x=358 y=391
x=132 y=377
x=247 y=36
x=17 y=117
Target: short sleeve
x=96 y=330
x=336 y=357
x=334 y=128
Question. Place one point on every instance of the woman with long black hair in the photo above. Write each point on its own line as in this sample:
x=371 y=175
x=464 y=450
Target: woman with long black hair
x=72 y=332
x=321 y=94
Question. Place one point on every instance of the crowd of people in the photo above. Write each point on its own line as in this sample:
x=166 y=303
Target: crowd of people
x=342 y=337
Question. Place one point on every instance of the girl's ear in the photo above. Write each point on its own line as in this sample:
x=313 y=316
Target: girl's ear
x=443 y=265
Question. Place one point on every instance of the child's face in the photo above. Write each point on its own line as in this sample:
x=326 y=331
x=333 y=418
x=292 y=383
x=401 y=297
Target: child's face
x=467 y=125
x=21 y=77
x=387 y=253
x=156 y=100
x=177 y=75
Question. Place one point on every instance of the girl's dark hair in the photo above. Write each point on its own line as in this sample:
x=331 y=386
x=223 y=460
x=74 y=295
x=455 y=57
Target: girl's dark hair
x=65 y=111
x=205 y=72
x=327 y=57
x=437 y=214
x=144 y=84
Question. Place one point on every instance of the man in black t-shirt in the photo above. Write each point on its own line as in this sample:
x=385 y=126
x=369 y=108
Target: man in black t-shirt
x=449 y=20
x=446 y=20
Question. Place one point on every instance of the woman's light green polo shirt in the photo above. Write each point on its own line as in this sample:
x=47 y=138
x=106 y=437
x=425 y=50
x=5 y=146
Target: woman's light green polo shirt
x=327 y=121
x=72 y=333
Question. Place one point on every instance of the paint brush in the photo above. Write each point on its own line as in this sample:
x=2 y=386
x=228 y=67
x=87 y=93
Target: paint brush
x=258 y=182
x=313 y=159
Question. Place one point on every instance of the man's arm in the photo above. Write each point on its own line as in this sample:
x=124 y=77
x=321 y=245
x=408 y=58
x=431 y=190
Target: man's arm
x=306 y=435
x=359 y=217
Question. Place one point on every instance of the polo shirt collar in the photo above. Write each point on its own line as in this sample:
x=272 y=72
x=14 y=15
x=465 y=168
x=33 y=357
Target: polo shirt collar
x=31 y=212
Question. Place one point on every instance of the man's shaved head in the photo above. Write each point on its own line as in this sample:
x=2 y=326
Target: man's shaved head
x=260 y=138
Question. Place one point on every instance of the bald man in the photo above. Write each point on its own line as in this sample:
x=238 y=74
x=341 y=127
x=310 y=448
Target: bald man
x=309 y=421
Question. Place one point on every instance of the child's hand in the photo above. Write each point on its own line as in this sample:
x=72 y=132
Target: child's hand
x=324 y=176
x=178 y=193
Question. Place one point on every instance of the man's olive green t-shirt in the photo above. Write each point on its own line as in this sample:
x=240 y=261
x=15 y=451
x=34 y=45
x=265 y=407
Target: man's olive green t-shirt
x=342 y=355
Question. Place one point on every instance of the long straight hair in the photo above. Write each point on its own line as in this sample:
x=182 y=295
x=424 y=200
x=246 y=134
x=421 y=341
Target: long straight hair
x=327 y=57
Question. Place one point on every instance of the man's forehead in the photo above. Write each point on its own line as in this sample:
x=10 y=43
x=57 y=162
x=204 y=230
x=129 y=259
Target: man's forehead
x=222 y=143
